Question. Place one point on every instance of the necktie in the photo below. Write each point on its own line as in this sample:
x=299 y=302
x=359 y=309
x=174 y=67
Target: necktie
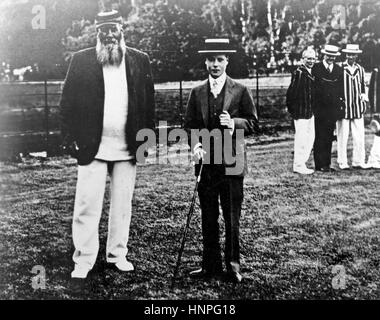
x=214 y=87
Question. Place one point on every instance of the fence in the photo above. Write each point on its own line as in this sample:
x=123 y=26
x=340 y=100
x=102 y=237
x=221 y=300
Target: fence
x=29 y=111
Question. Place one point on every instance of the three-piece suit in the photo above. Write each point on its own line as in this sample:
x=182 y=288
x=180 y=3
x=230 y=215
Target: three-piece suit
x=203 y=110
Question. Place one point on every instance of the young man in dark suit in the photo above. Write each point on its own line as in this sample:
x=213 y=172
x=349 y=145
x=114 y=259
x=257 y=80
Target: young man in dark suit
x=108 y=96
x=329 y=105
x=225 y=108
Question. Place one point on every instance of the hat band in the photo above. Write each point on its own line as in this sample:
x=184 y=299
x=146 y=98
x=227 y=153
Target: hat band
x=216 y=51
x=107 y=22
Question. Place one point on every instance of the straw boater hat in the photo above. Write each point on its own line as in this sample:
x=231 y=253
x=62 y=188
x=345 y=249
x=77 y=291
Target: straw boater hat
x=331 y=50
x=217 y=46
x=109 y=17
x=352 y=48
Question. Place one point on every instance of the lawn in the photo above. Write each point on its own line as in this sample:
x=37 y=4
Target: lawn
x=302 y=237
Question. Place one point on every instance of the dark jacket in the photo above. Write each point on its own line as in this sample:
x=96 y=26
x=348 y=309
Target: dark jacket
x=374 y=91
x=329 y=92
x=238 y=102
x=301 y=94
x=82 y=102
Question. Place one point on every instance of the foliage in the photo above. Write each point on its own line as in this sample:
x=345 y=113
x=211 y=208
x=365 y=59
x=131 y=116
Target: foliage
x=22 y=45
x=172 y=31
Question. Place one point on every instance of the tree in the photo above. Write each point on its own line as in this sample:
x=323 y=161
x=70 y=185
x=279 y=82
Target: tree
x=172 y=31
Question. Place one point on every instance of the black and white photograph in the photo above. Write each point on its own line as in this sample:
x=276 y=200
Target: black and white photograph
x=190 y=155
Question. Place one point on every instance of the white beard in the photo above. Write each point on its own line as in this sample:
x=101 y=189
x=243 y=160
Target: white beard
x=110 y=54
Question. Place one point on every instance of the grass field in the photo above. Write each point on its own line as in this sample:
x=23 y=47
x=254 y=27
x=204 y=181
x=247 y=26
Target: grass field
x=302 y=237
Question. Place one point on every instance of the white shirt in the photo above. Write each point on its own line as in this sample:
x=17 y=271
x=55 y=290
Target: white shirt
x=113 y=146
x=308 y=69
x=328 y=66
x=216 y=84
x=351 y=68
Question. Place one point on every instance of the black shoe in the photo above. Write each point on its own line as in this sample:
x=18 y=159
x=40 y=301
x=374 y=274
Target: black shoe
x=234 y=277
x=326 y=169
x=362 y=167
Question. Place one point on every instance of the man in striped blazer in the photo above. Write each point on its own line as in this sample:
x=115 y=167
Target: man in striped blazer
x=300 y=103
x=355 y=105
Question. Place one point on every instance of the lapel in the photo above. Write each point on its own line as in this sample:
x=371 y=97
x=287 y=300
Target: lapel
x=130 y=69
x=97 y=77
x=306 y=72
x=334 y=74
x=347 y=69
x=204 y=101
x=228 y=93
x=228 y=90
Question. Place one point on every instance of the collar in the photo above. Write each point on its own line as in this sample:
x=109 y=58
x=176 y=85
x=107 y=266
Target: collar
x=219 y=81
x=328 y=66
x=306 y=68
x=351 y=68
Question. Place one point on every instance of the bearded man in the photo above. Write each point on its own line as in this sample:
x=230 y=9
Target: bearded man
x=108 y=96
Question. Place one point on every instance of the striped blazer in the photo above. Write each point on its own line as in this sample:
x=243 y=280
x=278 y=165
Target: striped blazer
x=354 y=86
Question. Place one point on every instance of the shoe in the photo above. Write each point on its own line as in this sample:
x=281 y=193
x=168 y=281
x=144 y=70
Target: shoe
x=124 y=265
x=235 y=277
x=326 y=169
x=373 y=165
x=203 y=274
x=375 y=126
x=344 y=167
x=361 y=166
x=80 y=271
x=303 y=170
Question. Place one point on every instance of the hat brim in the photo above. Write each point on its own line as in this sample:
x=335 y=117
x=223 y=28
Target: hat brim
x=108 y=23
x=337 y=54
x=216 y=51
x=352 y=51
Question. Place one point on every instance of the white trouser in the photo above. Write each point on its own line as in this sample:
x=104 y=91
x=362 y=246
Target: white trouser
x=358 y=149
x=88 y=205
x=374 y=156
x=303 y=141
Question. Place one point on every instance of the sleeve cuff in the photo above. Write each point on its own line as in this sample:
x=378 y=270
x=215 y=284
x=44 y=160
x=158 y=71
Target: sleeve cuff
x=198 y=145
